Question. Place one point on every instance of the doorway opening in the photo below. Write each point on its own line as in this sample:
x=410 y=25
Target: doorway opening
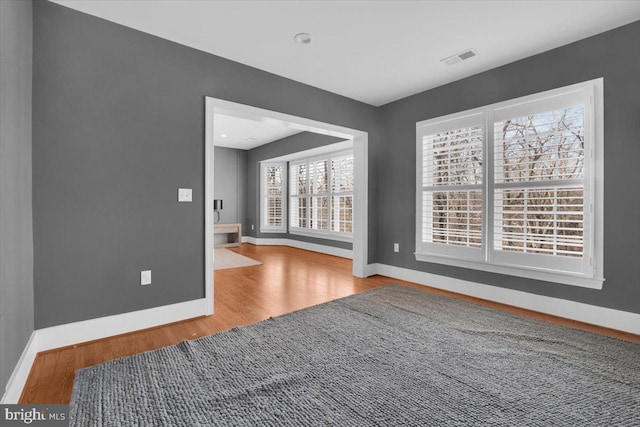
x=214 y=106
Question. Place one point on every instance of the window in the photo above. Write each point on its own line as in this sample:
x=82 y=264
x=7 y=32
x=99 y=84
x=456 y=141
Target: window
x=273 y=192
x=321 y=196
x=511 y=187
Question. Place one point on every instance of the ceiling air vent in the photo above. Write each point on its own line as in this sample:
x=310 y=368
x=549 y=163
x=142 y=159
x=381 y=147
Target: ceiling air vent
x=459 y=57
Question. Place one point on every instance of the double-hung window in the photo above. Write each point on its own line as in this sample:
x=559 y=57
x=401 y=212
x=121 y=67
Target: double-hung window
x=273 y=180
x=321 y=196
x=516 y=187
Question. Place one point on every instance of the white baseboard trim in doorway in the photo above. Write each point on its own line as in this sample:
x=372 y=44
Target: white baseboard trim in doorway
x=601 y=316
x=314 y=247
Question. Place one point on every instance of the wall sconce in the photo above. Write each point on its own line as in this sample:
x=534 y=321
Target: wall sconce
x=217 y=206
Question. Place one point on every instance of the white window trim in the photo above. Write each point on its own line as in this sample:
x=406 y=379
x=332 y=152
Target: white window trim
x=333 y=235
x=321 y=234
x=591 y=277
x=266 y=228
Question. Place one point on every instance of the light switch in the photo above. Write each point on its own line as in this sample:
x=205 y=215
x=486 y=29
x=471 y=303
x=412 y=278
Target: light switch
x=145 y=277
x=184 y=194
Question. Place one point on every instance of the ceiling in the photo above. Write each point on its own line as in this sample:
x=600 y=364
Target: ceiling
x=245 y=134
x=372 y=51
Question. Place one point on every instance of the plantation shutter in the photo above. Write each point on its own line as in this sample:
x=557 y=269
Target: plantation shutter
x=273 y=183
x=321 y=196
x=451 y=157
x=342 y=194
x=298 y=195
x=515 y=187
x=546 y=151
x=541 y=195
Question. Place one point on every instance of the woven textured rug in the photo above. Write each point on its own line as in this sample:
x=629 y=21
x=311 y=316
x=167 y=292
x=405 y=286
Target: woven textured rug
x=392 y=356
x=224 y=258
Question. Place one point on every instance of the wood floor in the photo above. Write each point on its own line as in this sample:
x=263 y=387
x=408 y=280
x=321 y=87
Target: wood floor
x=289 y=279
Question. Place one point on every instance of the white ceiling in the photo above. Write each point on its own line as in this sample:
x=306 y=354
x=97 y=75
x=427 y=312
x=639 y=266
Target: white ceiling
x=245 y=134
x=372 y=51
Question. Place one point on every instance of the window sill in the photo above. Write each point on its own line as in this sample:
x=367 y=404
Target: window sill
x=530 y=273
x=273 y=231
x=321 y=235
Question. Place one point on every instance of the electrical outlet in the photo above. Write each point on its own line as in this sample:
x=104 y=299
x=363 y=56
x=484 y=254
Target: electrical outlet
x=396 y=247
x=145 y=277
x=184 y=194
x=252 y=227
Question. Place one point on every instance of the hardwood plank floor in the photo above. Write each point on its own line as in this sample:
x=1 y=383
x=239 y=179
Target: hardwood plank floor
x=289 y=279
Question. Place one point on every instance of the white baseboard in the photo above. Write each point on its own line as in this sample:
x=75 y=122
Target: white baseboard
x=93 y=329
x=601 y=316
x=21 y=372
x=102 y=327
x=315 y=247
x=371 y=270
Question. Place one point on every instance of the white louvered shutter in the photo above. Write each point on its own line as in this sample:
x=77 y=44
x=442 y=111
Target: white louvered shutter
x=539 y=197
x=321 y=197
x=516 y=187
x=273 y=185
x=451 y=155
x=342 y=194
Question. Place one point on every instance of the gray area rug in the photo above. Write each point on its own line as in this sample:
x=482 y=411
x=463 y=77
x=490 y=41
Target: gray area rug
x=392 y=356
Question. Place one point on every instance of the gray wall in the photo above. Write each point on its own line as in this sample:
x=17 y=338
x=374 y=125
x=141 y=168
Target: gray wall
x=230 y=183
x=289 y=145
x=614 y=55
x=118 y=127
x=16 y=234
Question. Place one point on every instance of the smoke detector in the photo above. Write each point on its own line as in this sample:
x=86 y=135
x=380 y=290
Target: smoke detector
x=459 y=57
x=302 y=38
